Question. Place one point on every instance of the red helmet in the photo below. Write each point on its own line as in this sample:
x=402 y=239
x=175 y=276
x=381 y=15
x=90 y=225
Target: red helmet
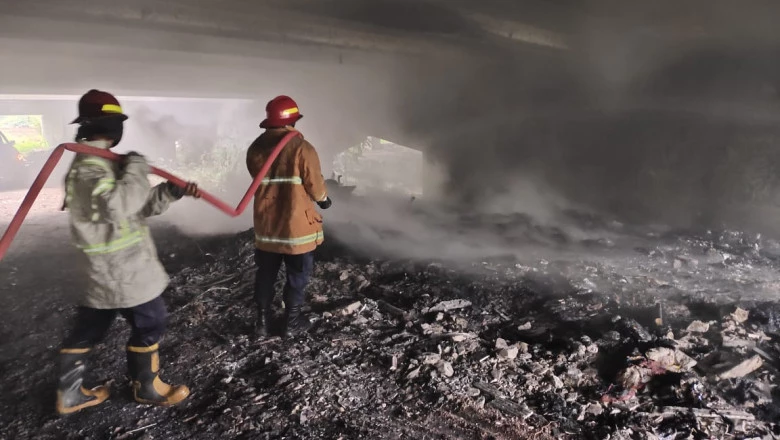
x=97 y=104
x=280 y=112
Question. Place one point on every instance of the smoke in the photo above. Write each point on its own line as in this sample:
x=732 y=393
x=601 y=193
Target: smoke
x=198 y=140
x=641 y=122
x=654 y=113
x=628 y=123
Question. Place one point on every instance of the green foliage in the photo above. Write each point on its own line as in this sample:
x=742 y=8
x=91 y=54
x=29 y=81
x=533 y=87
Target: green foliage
x=25 y=130
x=30 y=144
x=21 y=121
x=215 y=167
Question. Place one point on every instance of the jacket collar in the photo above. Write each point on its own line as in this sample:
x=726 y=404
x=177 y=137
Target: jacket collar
x=283 y=131
x=100 y=143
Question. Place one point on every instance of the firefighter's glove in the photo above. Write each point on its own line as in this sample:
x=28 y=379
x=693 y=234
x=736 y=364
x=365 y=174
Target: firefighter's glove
x=325 y=204
x=178 y=192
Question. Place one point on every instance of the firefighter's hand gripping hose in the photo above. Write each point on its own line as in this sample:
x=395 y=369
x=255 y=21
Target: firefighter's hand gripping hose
x=56 y=155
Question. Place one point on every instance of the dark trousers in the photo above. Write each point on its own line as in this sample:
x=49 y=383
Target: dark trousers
x=147 y=322
x=298 y=267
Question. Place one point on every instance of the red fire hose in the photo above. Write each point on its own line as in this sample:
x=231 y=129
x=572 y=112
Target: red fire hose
x=56 y=155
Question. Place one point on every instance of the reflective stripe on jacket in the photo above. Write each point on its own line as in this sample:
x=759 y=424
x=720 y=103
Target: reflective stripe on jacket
x=286 y=220
x=108 y=208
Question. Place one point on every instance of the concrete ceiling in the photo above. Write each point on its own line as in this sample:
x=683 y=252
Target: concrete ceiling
x=337 y=54
x=389 y=24
x=257 y=48
x=399 y=25
x=179 y=47
x=218 y=35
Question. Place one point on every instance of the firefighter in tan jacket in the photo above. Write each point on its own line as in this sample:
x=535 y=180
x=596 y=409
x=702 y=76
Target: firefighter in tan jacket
x=287 y=225
x=108 y=204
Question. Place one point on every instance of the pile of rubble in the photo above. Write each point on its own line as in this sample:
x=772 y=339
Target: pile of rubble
x=637 y=334
x=411 y=349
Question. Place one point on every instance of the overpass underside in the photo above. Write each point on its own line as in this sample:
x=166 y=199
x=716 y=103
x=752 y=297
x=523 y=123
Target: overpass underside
x=346 y=69
x=528 y=88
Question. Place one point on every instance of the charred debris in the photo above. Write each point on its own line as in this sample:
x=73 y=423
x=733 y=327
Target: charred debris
x=670 y=340
x=658 y=346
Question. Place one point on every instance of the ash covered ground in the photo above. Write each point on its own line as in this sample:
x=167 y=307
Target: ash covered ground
x=590 y=330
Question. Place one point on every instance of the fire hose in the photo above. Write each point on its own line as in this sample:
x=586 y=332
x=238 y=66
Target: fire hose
x=56 y=155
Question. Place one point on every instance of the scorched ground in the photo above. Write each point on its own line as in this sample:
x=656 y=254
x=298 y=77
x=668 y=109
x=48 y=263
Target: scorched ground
x=612 y=332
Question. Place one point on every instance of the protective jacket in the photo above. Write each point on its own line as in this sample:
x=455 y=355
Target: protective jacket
x=285 y=218
x=108 y=206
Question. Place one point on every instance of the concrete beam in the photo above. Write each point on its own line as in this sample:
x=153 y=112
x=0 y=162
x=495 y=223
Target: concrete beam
x=267 y=21
x=266 y=33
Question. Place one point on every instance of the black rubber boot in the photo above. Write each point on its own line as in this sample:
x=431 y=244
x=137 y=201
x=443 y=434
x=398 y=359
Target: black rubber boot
x=71 y=394
x=297 y=323
x=143 y=364
x=263 y=322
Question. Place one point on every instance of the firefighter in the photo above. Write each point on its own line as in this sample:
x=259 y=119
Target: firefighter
x=286 y=223
x=108 y=204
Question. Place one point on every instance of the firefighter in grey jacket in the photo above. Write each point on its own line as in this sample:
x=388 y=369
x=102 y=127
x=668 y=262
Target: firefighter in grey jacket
x=108 y=204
